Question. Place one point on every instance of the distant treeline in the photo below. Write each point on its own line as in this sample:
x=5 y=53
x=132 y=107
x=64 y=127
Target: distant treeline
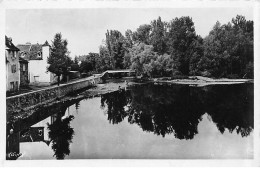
x=174 y=49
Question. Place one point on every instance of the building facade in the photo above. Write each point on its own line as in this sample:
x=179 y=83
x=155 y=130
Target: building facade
x=37 y=56
x=12 y=66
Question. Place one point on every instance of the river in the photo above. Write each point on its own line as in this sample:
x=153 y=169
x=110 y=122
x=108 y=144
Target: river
x=144 y=122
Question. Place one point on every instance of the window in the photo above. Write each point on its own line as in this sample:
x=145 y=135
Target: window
x=39 y=54
x=13 y=68
x=12 y=86
x=24 y=67
x=22 y=54
x=12 y=55
x=36 y=78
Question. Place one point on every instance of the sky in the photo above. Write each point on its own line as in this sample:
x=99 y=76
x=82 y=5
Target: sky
x=85 y=28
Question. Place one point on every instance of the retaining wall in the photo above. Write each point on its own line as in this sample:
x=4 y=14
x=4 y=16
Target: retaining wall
x=27 y=100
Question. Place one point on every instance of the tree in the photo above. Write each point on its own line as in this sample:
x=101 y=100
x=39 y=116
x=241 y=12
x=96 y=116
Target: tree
x=105 y=61
x=181 y=43
x=173 y=48
x=228 y=49
x=90 y=63
x=61 y=135
x=164 y=65
x=115 y=47
x=142 y=59
x=142 y=34
x=196 y=53
x=76 y=60
x=157 y=37
x=244 y=43
x=212 y=48
x=127 y=60
x=59 y=59
x=128 y=43
x=85 y=67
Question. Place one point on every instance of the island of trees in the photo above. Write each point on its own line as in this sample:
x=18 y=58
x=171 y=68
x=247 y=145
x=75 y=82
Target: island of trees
x=173 y=49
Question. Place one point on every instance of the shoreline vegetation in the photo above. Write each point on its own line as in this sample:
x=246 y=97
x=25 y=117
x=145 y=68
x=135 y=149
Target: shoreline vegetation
x=202 y=81
x=174 y=49
x=199 y=81
x=112 y=85
x=168 y=51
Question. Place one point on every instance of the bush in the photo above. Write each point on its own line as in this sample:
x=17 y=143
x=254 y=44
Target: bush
x=206 y=74
x=176 y=73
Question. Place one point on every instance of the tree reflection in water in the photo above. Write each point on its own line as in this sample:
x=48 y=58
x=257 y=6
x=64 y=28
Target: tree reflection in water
x=116 y=104
x=178 y=109
x=61 y=134
x=231 y=107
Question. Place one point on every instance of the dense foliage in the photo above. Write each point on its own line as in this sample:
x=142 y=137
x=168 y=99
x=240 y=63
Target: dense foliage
x=59 y=59
x=228 y=49
x=173 y=48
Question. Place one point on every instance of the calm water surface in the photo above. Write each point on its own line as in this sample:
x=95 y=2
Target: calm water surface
x=145 y=122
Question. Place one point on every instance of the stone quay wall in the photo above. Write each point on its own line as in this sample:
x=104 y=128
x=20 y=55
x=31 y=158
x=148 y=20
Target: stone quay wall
x=31 y=99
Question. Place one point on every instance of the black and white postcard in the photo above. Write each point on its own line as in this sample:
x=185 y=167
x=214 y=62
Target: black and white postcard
x=168 y=82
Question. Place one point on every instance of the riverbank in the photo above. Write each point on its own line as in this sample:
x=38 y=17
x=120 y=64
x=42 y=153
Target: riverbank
x=43 y=110
x=203 y=81
x=26 y=101
x=111 y=85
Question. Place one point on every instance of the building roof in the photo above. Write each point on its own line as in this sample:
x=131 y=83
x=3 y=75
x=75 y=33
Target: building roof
x=24 y=47
x=9 y=44
x=35 y=49
x=31 y=51
x=46 y=43
x=24 y=50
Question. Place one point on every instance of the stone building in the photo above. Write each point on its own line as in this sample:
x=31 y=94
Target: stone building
x=12 y=66
x=36 y=55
